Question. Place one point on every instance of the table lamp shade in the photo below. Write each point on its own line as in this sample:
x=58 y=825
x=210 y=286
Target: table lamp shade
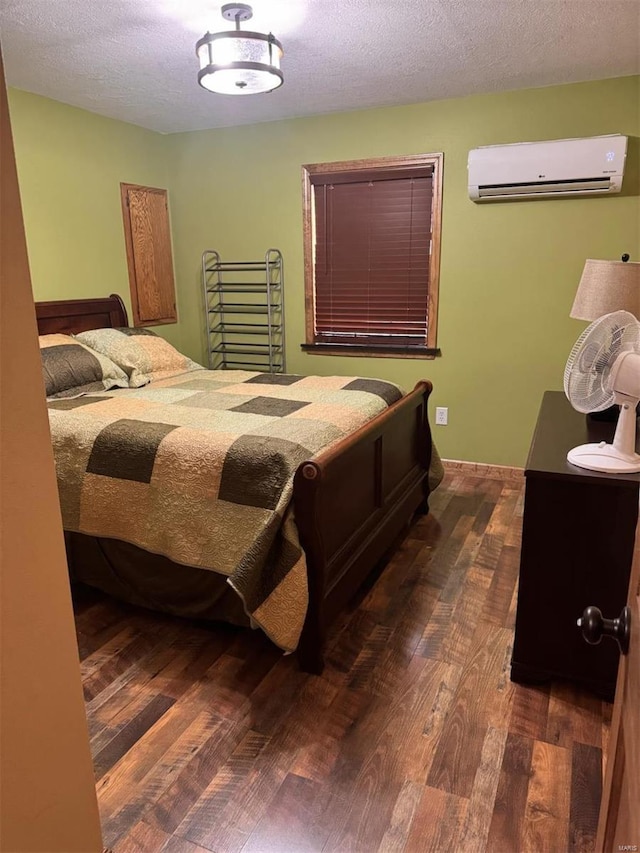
x=607 y=286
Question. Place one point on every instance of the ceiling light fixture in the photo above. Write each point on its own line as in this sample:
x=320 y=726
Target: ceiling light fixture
x=239 y=62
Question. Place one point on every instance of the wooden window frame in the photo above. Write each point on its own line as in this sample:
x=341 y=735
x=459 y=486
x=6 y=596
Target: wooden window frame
x=138 y=320
x=383 y=164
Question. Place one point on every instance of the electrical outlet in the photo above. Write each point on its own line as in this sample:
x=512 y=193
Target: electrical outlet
x=442 y=415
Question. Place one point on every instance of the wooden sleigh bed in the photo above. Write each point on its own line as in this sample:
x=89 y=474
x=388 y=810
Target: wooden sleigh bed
x=350 y=501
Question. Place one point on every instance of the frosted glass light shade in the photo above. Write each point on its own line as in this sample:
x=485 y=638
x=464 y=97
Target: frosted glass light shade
x=607 y=286
x=239 y=63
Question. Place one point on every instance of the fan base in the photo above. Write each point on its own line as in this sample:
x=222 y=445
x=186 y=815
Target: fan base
x=604 y=457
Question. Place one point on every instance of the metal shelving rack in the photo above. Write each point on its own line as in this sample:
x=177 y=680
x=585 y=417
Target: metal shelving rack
x=244 y=306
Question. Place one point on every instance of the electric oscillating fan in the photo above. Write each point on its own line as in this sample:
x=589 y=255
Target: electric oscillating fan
x=604 y=368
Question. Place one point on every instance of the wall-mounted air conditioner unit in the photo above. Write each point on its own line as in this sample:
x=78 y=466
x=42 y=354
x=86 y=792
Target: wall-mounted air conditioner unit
x=561 y=167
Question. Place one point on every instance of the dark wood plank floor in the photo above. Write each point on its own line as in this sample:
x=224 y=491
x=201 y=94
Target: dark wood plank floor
x=414 y=739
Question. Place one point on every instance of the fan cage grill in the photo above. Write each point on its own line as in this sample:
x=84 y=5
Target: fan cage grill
x=588 y=368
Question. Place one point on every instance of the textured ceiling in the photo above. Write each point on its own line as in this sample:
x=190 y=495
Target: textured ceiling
x=134 y=59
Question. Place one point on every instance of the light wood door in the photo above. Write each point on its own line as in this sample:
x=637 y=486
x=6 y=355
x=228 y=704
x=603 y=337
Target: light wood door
x=145 y=212
x=47 y=798
x=619 y=824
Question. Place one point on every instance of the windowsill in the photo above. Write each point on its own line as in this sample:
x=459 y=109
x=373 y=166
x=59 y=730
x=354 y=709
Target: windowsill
x=372 y=350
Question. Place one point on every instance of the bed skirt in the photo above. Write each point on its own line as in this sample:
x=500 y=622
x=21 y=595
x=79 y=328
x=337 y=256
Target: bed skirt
x=150 y=580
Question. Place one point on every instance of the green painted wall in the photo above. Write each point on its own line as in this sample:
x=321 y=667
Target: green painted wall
x=70 y=165
x=509 y=270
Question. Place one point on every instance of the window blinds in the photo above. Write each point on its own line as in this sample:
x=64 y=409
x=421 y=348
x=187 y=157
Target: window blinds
x=373 y=238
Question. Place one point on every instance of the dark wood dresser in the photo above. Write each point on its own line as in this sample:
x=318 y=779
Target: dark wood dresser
x=577 y=547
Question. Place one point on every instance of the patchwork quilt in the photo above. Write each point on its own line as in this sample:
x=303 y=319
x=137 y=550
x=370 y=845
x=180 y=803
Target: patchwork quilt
x=199 y=468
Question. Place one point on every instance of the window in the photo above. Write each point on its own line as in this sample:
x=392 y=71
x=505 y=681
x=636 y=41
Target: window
x=148 y=239
x=372 y=256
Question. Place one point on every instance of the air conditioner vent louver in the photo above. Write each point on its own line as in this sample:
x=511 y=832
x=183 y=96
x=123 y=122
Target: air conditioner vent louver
x=562 y=167
x=571 y=187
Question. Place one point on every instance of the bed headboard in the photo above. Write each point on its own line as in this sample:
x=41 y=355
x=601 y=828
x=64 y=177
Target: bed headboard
x=69 y=316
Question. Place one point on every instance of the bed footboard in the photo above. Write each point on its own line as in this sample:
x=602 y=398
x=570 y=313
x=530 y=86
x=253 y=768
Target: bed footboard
x=351 y=502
